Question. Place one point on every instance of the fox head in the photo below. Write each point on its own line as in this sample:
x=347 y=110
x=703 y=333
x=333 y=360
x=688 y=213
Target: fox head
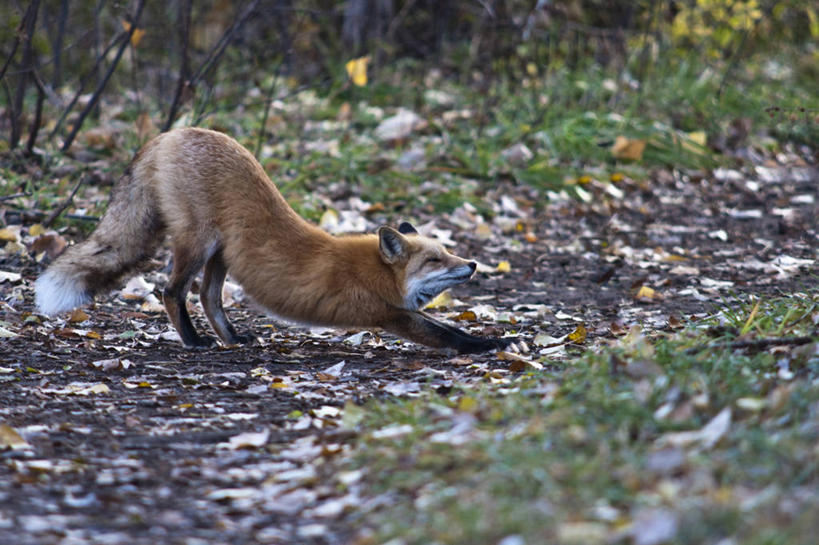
x=422 y=266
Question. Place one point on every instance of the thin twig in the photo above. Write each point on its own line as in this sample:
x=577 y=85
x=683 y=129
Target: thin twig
x=36 y=215
x=217 y=51
x=38 y=113
x=17 y=34
x=27 y=66
x=14 y=196
x=183 y=83
x=267 y=104
x=63 y=205
x=98 y=92
x=81 y=88
x=755 y=343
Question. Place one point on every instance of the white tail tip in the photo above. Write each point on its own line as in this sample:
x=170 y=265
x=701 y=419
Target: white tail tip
x=55 y=293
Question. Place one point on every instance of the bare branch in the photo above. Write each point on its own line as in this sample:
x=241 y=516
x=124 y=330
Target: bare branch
x=98 y=92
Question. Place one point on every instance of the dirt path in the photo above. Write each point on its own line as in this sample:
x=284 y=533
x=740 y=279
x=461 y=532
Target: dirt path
x=131 y=439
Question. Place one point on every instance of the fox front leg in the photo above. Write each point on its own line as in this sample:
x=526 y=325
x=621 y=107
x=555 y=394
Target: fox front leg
x=420 y=327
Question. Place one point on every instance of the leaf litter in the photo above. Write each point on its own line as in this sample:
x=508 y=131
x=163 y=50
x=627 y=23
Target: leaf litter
x=253 y=433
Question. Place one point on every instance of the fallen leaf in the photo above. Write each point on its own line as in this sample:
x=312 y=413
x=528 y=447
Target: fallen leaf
x=466 y=316
x=512 y=357
x=399 y=126
x=544 y=340
x=517 y=154
x=10 y=439
x=442 y=300
x=248 y=439
x=8 y=276
x=709 y=435
x=357 y=70
x=654 y=526
x=752 y=404
x=137 y=35
x=136 y=288
x=503 y=267
x=329 y=220
x=393 y=431
x=578 y=336
x=645 y=293
x=10 y=234
x=51 y=243
x=628 y=148
x=582 y=533
x=77 y=315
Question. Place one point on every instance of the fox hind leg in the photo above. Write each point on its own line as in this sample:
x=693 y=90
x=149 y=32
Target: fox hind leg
x=211 y=297
x=186 y=263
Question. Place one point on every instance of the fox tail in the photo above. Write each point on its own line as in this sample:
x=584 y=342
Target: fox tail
x=127 y=236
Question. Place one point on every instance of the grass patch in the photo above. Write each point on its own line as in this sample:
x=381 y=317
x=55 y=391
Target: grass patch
x=568 y=118
x=714 y=443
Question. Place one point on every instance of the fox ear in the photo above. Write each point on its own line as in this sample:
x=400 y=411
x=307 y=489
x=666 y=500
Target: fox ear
x=406 y=228
x=391 y=244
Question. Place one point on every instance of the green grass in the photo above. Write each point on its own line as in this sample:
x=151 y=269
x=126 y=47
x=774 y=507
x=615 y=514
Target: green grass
x=582 y=448
x=567 y=118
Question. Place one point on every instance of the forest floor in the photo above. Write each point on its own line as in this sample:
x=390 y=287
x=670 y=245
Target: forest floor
x=113 y=433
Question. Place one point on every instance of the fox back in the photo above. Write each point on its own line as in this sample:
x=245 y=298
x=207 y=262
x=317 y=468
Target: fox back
x=221 y=213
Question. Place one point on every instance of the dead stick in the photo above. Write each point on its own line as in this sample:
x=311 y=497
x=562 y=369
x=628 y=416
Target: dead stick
x=14 y=196
x=60 y=209
x=101 y=86
x=756 y=343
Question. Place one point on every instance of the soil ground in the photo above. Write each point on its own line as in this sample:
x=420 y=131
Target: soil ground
x=148 y=458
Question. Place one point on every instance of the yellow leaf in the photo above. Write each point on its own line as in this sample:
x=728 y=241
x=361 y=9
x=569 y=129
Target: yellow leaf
x=531 y=69
x=8 y=235
x=442 y=300
x=616 y=177
x=628 y=148
x=136 y=37
x=36 y=230
x=578 y=336
x=503 y=267
x=466 y=316
x=645 y=293
x=468 y=404
x=698 y=137
x=93 y=335
x=357 y=70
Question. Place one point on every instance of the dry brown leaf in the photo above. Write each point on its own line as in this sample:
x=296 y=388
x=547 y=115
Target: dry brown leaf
x=628 y=148
x=51 y=243
x=10 y=439
x=512 y=357
x=77 y=315
x=137 y=36
x=466 y=316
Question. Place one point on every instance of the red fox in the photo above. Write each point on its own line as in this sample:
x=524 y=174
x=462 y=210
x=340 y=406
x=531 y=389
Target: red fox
x=222 y=212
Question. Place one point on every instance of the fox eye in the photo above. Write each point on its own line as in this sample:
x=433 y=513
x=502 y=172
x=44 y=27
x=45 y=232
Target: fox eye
x=432 y=260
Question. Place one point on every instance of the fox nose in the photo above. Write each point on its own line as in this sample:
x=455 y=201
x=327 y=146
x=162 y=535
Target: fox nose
x=473 y=265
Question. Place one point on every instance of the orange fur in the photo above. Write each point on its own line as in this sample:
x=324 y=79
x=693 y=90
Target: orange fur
x=221 y=212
